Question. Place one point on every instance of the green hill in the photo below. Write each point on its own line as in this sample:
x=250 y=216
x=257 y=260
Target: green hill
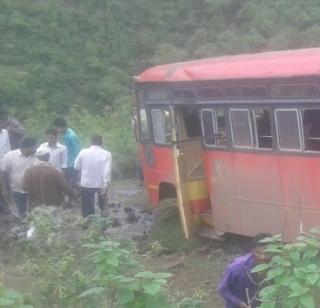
x=77 y=57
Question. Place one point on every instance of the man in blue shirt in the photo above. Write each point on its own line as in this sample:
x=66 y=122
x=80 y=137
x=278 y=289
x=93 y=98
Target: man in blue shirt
x=72 y=143
x=239 y=287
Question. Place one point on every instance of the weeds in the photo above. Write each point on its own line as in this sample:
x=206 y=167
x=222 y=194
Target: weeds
x=87 y=270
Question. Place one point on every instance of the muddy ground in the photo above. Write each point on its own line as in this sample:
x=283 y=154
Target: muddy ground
x=196 y=264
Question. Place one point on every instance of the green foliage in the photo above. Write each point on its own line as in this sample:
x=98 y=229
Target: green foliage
x=77 y=58
x=293 y=276
x=10 y=298
x=69 y=268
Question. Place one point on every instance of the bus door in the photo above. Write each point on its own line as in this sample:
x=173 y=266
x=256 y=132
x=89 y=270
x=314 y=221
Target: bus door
x=191 y=186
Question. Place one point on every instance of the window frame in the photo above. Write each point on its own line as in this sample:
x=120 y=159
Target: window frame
x=301 y=111
x=250 y=124
x=298 y=115
x=255 y=127
x=162 y=123
x=215 y=127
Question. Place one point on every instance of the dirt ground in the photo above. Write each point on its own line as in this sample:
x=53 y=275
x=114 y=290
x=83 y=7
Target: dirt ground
x=196 y=264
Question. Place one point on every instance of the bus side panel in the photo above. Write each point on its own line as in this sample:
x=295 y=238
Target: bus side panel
x=161 y=171
x=300 y=178
x=245 y=192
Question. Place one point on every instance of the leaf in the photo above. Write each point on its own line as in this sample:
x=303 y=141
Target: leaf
x=312 y=267
x=275 y=272
x=281 y=261
x=125 y=296
x=295 y=255
x=152 y=287
x=307 y=301
x=269 y=291
x=92 y=291
x=313 y=278
x=4 y=301
x=299 y=292
x=268 y=305
x=284 y=281
x=146 y=274
x=260 y=268
x=312 y=242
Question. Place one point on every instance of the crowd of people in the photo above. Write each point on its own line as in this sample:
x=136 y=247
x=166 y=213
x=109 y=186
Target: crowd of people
x=51 y=173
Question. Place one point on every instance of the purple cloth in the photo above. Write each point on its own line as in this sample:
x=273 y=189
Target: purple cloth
x=236 y=280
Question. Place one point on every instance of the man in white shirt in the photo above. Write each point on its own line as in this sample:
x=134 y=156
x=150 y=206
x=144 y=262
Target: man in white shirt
x=4 y=136
x=94 y=163
x=14 y=166
x=58 y=152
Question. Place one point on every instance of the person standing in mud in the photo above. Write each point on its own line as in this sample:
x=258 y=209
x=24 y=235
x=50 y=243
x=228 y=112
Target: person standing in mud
x=72 y=143
x=239 y=287
x=94 y=165
x=14 y=165
x=44 y=184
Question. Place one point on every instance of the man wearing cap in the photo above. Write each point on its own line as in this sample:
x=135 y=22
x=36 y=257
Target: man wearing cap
x=44 y=184
x=13 y=165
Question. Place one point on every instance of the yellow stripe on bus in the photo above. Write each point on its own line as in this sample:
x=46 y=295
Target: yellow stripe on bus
x=153 y=186
x=197 y=190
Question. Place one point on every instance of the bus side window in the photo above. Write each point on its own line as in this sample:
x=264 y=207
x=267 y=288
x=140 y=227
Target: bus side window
x=288 y=129
x=263 y=128
x=191 y=122
x=311 y=129
x=241 y=128
x=161 y=120
x=214 y=127
x=144 y=127
x=208 y=126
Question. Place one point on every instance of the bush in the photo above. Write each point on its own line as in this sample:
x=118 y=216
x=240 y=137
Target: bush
x=293 y=276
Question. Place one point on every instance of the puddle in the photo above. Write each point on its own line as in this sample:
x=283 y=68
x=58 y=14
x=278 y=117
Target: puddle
x=128 y=210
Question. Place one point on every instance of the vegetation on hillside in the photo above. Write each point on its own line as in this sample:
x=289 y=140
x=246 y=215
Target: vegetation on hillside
x=76 y=58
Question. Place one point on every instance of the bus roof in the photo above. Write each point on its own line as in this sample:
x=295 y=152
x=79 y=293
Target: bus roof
x=277 y=64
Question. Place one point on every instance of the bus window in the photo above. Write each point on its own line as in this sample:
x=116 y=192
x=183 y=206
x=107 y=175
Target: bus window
x=263 y=128
x=311 y=129
x=214 y=127
x=191 y=122
x=161 y=121
x=222 y=128
x=208 y=126
x=241 y=128
x=144 y=127
x=288 y=129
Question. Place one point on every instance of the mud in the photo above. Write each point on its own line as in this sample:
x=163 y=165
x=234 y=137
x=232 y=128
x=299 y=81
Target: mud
x=196 y=264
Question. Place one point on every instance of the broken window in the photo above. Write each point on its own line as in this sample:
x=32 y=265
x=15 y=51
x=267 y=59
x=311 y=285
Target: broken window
x=263 y=131
x=311 y=129
x=191 y=121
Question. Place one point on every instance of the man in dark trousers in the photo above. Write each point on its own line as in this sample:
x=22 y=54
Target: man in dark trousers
x=44 y=184
x=94 y=164
x=14 y=164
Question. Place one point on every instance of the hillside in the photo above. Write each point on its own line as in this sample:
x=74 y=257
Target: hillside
x=77 y=57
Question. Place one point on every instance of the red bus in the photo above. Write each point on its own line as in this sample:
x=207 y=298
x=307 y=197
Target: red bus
x=235 y=139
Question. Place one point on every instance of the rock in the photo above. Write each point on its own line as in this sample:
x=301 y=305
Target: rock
x=132 y=217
